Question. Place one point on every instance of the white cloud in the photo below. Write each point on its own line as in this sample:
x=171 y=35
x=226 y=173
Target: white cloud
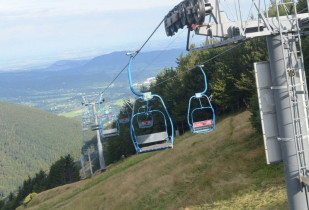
x=16 y=9
x=33 y=30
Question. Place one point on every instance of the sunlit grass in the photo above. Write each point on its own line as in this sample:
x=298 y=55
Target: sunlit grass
x=72 y=114
x=222 y=169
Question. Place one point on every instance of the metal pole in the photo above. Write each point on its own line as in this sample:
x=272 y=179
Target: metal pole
x=83 y=166
x=296 y=198
x=100 y=146
x=90 y=164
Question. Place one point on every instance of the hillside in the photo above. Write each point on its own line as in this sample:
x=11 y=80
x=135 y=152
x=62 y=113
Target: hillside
x=58 y=87
x=79 y=75
x=30 y=140
x=225 y=169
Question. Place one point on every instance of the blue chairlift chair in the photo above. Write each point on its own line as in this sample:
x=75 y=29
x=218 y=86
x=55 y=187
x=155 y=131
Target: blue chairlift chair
x=206 y=125
x=108 y=119
x=152 y=141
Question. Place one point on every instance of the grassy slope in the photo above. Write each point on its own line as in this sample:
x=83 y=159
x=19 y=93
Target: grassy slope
x=224 y=169
x=30 y=140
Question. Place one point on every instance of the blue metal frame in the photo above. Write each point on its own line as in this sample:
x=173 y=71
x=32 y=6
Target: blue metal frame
x=146 y=97
x=199 y=96
x=103 y=120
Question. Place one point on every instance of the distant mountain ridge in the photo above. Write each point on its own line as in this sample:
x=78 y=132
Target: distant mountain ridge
x=71 y=74
x=65 y=64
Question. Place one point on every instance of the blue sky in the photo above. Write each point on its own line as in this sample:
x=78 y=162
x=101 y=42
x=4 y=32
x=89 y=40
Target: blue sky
x=42 y=31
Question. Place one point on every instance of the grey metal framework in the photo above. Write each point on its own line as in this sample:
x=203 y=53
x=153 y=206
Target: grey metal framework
x=281 y=82
x=91 y=102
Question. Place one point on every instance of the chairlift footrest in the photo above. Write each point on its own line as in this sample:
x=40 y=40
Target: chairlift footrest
x=156 y=147
x=111 y=135
x=95 y=127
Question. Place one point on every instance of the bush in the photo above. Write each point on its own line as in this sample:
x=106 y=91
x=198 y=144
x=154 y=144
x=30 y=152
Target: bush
x=29 y=198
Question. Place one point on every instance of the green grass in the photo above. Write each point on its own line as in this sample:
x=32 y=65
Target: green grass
x=71 y=114
x=224 y=169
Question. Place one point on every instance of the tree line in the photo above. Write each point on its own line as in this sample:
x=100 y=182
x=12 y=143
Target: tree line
x=61 y=172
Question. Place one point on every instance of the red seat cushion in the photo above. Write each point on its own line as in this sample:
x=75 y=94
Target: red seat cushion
x=146 y=122
x=202 y=123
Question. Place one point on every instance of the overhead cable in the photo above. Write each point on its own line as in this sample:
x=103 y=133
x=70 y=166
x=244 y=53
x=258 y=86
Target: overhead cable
x=138 y=51
x=208 y=60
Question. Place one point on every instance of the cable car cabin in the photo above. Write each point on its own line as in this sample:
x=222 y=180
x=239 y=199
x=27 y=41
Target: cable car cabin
x=201 y=115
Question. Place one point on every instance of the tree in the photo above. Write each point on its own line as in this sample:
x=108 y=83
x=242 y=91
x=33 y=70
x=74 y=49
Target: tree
x=62 y=172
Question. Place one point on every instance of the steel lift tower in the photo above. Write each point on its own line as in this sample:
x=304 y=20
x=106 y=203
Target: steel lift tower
x=91 y=103
x=281 y=82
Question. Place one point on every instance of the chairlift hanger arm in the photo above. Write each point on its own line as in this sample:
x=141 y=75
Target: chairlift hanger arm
x=129 y=74
x=100 y=101
x=205 y=78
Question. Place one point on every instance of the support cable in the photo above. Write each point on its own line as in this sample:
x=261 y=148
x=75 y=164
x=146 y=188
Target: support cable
x=138 y=51
x=208 y=60
x=163 y=51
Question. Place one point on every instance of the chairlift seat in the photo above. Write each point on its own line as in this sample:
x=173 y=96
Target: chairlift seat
x=155 y=147
x=201 y=125
x=161 y=137
x=110 y=133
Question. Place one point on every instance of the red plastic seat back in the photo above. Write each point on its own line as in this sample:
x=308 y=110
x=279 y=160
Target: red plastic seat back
x=146 y=123
x=202 y=123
